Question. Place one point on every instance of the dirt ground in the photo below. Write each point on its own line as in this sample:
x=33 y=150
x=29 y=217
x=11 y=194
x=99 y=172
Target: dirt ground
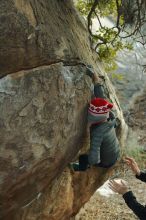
x=113 y=207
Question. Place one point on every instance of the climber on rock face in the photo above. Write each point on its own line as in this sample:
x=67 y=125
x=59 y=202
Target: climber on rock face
x=104 y=145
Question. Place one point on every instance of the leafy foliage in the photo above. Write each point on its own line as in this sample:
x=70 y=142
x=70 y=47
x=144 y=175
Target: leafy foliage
x=84 y=7
x=107 y=41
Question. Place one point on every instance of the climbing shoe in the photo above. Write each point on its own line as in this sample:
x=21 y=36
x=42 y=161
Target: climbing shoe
x=78 y=167
x=74 y=166
x=82 y=165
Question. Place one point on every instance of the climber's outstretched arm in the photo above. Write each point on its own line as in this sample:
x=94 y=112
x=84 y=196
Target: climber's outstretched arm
x=99 y=91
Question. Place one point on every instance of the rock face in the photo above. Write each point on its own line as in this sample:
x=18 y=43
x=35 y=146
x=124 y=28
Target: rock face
x=133 y=75
x=39 y=33
x=136 y=118
x=43 y=100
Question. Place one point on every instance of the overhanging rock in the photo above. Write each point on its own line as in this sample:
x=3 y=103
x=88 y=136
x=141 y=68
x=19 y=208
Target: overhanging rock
x=43 y=107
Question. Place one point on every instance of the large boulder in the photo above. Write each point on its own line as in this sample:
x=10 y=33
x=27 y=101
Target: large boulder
x=43 y=107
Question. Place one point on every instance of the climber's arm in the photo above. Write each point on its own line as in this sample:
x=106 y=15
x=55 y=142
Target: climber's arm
x=99 y=91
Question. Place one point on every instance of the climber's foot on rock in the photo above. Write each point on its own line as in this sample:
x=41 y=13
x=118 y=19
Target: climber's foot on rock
x=74 y=166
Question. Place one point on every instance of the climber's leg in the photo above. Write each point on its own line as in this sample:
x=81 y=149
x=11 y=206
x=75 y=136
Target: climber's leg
x=83 y=162
x=82 y=165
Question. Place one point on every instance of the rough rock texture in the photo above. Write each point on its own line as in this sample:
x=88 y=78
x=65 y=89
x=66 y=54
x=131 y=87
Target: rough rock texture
x=132 y=73
x=35 y=33
x=43 y=100
x=136 y=118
